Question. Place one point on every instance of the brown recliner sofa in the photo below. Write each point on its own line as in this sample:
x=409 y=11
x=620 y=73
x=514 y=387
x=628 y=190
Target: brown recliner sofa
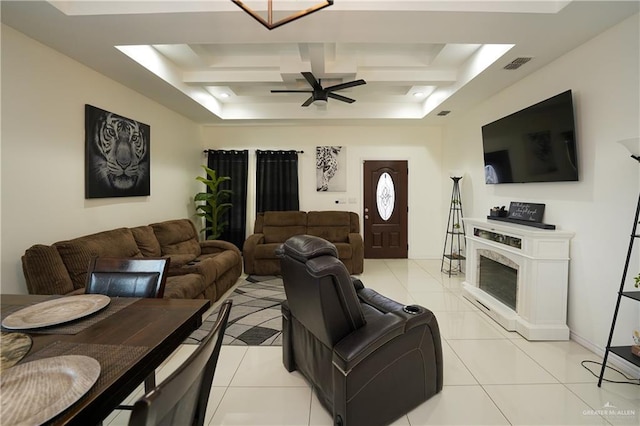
x=369 y=358
x=271 y=229
x=198 y=269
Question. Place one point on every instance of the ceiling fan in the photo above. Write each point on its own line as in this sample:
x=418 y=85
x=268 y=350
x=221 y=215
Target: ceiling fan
x=321 y=94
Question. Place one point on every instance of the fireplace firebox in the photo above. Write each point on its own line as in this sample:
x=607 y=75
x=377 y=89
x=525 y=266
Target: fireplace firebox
x=499 y=280
x=518 y=275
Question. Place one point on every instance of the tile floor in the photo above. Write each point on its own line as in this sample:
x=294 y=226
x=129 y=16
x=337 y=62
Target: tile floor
x=491 y=376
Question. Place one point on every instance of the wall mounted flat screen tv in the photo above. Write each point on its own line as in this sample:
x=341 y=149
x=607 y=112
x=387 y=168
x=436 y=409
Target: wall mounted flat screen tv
x=536 y=144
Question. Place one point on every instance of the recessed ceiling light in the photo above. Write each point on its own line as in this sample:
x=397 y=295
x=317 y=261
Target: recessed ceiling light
x=418 y=94
x=224 y=95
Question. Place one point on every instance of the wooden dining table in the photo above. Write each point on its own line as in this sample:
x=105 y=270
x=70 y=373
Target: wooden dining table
x=129 y=344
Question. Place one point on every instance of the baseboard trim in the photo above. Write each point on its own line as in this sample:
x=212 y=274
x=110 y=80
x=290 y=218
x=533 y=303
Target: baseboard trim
x=613 y=360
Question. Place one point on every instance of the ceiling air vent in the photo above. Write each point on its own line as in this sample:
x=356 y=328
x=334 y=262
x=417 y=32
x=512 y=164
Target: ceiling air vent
x=517 y=63
x=443 y=113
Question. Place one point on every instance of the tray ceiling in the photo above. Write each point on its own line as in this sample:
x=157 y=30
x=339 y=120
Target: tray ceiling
x=213 y=63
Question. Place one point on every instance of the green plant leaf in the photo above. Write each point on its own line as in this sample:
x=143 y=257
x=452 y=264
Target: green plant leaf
x=215 y=204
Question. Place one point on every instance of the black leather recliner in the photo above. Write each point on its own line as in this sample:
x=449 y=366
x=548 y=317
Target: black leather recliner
x=369 y=358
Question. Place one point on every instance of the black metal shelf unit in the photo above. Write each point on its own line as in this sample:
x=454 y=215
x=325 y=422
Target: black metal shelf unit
x=623 y=351
x=454 y=242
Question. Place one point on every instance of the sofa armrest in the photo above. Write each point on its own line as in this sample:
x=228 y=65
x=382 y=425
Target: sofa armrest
x=249 y=251
x=355 y=347
x=357 y=250
x=217 y=246
x=355 y=238
x=253 y=240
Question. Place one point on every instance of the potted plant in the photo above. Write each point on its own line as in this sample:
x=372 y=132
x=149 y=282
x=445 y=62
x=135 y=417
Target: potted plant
x=212 y=204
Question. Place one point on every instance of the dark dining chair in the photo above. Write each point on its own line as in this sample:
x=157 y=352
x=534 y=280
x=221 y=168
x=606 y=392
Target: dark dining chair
x=127 y=277
x=181 y=399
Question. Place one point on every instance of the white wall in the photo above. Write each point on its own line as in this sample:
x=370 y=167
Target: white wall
x=604 y=77
x=419 y=145
x=43 y=98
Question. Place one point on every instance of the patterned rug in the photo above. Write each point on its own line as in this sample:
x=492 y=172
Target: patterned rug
x=255 y=317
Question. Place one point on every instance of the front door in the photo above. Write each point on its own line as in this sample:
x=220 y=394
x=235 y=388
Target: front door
x=385 y=209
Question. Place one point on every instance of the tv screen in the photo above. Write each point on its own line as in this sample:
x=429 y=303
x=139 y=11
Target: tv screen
x=536 y=144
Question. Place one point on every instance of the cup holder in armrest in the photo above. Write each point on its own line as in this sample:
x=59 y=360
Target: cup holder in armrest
x=412 y=309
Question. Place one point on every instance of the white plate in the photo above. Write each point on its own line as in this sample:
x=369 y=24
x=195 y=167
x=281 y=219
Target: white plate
x=56 y=311
x=37 y=391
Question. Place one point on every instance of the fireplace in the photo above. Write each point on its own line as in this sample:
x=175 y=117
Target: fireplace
x=518 y=276
x=498 y=280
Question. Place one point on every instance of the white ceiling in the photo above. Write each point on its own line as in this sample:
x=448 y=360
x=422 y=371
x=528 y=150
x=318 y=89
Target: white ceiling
x=188 y=55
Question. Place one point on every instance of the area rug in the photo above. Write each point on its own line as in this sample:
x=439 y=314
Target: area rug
x=255 y=318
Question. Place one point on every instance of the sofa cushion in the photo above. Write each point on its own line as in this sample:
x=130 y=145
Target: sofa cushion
x=45 y=272
x=177 y=237
x=146 y=241
x=77 y=253
x=280 y=226
x=333 y=226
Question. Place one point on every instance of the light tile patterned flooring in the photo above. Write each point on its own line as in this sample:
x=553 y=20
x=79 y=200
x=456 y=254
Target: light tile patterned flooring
x=491 y=376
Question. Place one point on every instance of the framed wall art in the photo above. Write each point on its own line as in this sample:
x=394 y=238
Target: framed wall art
x=331 y=169
x=117 y=155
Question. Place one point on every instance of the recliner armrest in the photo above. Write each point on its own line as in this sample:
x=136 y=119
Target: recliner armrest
x=355 y=347
x=384 y=304
x=357 y=283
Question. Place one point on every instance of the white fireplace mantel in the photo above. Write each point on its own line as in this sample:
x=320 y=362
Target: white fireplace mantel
x=541 y=258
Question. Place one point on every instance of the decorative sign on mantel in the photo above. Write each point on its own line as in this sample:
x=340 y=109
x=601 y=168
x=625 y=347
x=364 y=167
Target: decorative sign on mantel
x=522 y=213
x=531 y=212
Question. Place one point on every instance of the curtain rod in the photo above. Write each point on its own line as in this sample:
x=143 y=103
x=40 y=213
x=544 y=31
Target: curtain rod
x=206 y=151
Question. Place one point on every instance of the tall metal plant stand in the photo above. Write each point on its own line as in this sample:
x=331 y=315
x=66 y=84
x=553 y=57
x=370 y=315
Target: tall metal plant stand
x=623 y=352
x=454 y=242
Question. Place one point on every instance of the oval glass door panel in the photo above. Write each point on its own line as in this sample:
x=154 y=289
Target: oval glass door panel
x=385 y=196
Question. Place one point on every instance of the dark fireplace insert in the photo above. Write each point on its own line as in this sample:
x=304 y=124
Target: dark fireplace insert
x=499 y=280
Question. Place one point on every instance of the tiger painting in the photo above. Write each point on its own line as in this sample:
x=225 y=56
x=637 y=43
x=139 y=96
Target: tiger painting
x=326 y=165
x=117 y=155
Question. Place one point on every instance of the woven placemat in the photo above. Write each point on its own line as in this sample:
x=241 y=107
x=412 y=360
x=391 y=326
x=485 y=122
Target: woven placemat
x=74 y=327
x=110 y=357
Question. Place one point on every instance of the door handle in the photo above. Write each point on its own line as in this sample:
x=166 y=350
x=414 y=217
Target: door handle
x=366 y=216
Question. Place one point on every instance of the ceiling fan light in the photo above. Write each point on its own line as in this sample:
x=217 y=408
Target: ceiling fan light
x=320 y=103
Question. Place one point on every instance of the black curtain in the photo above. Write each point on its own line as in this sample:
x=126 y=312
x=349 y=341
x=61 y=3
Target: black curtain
x=234 y=164
x=276 y=181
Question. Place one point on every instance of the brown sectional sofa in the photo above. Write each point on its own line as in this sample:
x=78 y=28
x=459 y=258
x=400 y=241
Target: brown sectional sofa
x=198 y=269
x=271 y=229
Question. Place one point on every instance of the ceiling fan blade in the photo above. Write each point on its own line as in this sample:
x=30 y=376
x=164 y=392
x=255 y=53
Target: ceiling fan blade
x=345 y=85
x=308 y=102
x=311 y=79
x=340 y=98
x=292 y=91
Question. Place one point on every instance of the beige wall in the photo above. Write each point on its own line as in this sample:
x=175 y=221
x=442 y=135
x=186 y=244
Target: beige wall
x=43 y=98
x=604 y=77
